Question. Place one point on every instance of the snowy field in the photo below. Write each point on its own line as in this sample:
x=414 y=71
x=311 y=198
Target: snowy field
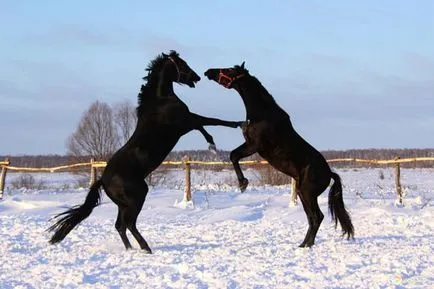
x=226 y=240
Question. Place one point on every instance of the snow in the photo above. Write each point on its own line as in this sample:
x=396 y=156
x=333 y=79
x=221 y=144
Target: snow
x=223 y=239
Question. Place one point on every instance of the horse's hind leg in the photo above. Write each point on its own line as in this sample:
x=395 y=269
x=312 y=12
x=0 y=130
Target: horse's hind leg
x=133 y=211
x=142 y=242
x=121 y=227
x=131 y=218
x=309 y=199
x=127 y=218
x=240 y=152
x=130 y=203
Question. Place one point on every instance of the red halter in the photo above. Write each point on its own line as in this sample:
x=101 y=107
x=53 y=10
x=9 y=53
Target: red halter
x=177 y=68
x=225 y=78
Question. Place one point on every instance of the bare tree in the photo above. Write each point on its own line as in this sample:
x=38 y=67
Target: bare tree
x=125 y=119
x=96 y=134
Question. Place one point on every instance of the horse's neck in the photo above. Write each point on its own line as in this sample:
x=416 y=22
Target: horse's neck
x=155 y=91
x=256 y=99
x=160 y=88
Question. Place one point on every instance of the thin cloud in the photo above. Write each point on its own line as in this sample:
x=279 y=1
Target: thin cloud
x=61 y=36
x=82 y=36
x=322 y=59
x=154 y=44
x=420 y=63
x=37 y=131
x=49 y=84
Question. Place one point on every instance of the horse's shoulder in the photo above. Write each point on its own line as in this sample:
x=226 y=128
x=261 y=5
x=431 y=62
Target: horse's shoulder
x=176 y=107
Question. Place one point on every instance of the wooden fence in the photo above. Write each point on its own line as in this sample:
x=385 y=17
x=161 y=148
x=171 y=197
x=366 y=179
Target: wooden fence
x=187 y=163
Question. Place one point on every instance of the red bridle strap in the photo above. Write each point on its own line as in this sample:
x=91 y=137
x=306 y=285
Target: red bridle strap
x=228 y=78
x=177 y=68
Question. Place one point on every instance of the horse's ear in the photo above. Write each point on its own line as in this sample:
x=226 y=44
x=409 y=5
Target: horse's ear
x=242 y=65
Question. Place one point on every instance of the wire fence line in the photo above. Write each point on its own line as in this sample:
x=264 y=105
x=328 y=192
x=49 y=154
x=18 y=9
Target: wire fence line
x=186 y=163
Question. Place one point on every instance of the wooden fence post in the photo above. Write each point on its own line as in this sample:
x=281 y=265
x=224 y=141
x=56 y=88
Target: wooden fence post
x=187 y=187
x=293 y=192
x=398 y=187
x=92 y=173
x=3 y=178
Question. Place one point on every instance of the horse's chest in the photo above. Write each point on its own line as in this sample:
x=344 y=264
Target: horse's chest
x=271 y=143
x=251 y=132
x=260 y=135
x=245 y=130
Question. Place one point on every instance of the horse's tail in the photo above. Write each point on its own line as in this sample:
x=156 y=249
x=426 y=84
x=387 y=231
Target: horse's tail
x=337 y=207
x=72 y=217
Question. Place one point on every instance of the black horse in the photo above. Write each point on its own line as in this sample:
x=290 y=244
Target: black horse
x=268 y=131
x=162 y=119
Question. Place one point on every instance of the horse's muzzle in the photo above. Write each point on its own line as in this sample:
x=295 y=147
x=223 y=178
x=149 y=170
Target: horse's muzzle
x=211 y=74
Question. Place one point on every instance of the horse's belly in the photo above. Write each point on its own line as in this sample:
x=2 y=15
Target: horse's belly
x=280 y=162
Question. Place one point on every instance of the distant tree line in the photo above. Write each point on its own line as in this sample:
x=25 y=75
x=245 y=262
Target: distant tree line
x=205 y=155
x=103 y=129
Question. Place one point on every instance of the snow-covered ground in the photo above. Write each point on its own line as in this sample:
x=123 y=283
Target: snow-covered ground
x=227 y=240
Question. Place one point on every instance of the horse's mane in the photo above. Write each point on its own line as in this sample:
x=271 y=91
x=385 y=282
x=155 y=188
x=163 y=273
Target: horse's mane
x=153 y=67
x=263 y=92
x=155 y=64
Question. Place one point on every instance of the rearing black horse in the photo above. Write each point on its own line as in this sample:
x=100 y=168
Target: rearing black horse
x=268 y=131
x=162 y=119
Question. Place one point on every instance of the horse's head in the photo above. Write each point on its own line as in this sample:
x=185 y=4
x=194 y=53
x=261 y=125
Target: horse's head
x=180 y=71
x=226 y=77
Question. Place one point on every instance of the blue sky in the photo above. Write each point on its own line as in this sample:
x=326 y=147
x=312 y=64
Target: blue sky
x=351 y=75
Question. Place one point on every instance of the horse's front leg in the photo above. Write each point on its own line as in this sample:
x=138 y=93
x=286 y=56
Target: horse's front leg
x=198 y=120
x=240 y=152
x=211 y=145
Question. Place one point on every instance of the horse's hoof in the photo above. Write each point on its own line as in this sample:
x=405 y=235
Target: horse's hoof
x=213 y=148
x=243 y=184
x=305 y=245
x=240 y=124
x=147 y=251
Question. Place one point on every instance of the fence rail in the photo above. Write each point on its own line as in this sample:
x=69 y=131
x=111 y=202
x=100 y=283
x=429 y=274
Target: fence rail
x=187 y=162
